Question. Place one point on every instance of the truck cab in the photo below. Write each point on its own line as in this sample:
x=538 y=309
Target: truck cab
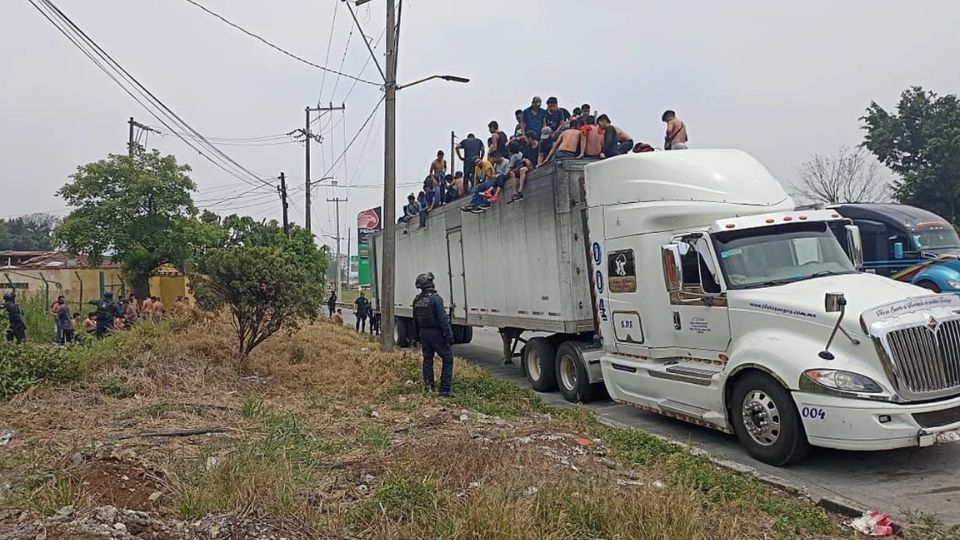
x=721 y=305
x=908 y=244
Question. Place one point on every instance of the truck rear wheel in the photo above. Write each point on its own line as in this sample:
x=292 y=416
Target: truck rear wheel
x=538 y=363
x=766 y=421
x=462 y=333
x=572 y=376
x=404 y=329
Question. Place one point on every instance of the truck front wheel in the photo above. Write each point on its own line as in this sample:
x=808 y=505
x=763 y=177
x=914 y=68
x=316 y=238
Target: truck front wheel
x=572 y=376
x=766 y=420
x=538 y=362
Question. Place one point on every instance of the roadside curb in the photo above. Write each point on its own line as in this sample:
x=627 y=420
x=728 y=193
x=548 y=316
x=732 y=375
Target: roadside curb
x=831 y=504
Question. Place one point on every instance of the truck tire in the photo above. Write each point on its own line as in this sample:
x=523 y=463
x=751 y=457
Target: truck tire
x=403 y=332
x=538 y=363
x=766 y=421
x=462 y=333
x=572 y=375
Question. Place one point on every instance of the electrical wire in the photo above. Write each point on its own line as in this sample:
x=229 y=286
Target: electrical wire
x=116 y=72
x=326 y=59
x=359 y=131
x=276 y=47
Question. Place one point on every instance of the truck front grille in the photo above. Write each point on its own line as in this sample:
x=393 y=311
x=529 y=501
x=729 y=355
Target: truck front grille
x=926 y=358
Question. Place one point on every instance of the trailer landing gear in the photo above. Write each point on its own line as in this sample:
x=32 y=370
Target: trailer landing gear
x=511 y=342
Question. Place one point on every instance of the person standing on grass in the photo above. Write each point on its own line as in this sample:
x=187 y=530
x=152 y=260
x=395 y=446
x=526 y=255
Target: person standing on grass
x=337 y=316
x=18 y=328
x=375 y=323
x=146 y=308
x=64 y=322
x=432 y=325
x=132 y=310
x=361 y=308
x=159 y=310
x=107 y=313
x=332 y=302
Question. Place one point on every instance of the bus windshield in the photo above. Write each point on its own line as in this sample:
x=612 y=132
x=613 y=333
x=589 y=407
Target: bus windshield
x=768 y=256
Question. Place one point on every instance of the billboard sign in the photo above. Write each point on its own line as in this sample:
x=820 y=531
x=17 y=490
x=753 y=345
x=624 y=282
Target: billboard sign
x=368 y=222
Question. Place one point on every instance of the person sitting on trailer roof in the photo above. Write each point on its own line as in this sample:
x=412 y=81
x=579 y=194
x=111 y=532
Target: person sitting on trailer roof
x=546 y=145
x=518 y=131
x=616 y=141
x=498 y=139
x=430 y=202
x=501 y=171
x=485 y=173
x=411 y=210
x=591 y=143
x=568 y=144
x=454 y=186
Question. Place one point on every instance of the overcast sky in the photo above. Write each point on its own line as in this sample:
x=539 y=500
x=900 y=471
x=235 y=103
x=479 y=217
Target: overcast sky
x=782 y=81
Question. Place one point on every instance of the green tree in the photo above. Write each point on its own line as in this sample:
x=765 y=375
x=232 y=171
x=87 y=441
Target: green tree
x=29 y=233
x=244 y=231
x=138 y=210
x=921 y=142
x=265 y=289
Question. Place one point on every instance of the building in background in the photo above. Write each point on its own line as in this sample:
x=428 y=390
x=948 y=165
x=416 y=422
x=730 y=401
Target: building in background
x=55 y=273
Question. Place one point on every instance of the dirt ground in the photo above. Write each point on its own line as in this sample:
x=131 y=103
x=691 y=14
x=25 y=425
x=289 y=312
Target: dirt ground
x=326 y=437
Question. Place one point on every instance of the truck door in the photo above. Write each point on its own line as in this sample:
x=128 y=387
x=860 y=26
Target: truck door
x=458 y=290
x=699 y=307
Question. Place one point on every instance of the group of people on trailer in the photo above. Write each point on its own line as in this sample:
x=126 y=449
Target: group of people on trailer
x=541 y=135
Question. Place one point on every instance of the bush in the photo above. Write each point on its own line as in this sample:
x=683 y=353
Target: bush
x=24 y=366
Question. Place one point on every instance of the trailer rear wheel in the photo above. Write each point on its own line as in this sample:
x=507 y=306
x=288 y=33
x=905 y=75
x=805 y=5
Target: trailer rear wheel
x=538 y=362
x=404 y=328
x=462 y=333
x=766 y=420
x=572 y=376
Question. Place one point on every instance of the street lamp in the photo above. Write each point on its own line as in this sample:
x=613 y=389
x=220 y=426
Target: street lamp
x=450 y=78
x=315 y=182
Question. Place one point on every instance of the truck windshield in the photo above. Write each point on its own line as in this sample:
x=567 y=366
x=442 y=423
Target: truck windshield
x=781 y=254
x=935 y=236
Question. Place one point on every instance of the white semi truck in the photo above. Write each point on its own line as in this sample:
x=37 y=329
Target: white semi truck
x=687 y=284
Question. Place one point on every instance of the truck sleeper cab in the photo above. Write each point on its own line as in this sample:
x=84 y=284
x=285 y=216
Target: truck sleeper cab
x=690 y=287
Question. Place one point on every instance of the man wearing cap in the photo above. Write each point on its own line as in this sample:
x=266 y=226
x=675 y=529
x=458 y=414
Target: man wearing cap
x=546 y=144
x=533 y=117
x=555 y=116
x=469 y=150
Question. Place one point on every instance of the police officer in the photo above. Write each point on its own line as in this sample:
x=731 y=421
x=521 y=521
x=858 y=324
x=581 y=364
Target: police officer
x=18 y=328
x=432 y=324
x=107 y=313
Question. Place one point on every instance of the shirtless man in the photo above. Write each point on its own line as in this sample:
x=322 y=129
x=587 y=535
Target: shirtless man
x=438 y=167
x=158 y=308
x=568 y=143
x=676 y=138
x=146 y=308
x=615 y=140
x=591 y=143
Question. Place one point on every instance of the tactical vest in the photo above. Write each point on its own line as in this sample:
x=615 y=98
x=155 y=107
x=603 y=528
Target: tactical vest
x=423 y=311
x=105 y=312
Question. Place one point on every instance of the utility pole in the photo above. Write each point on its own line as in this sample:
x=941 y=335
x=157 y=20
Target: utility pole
x=307 y=136
x=132 y=146
x=337 y=201
x=389 y=277
x=283 y=199
x=390 y=87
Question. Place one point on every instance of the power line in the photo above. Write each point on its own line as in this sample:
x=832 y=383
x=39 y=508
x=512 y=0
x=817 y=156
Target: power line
x=276 y=47
x=326 y=59
x=359 y=131
x=116 y=72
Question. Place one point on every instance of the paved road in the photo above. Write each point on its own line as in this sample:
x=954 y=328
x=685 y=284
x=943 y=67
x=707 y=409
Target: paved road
x=927 y=479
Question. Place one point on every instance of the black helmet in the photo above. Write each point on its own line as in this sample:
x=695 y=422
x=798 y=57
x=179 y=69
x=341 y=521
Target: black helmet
x=9 y=296
x=425 y=281
x=108 y=295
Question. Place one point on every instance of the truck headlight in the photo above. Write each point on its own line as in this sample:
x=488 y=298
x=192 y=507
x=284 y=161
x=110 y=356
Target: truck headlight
x=844 y=381
x=954 y=284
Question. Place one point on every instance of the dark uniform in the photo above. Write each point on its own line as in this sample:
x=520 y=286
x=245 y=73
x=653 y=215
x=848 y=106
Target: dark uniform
x=361 y=307
x=107 y=313
x=432 y=324
x=332 y=303
x=18 y=328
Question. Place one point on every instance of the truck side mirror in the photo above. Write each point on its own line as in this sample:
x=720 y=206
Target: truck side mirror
x=834 y=302
x=898 y=250
x=854 y=245
x=672 y=272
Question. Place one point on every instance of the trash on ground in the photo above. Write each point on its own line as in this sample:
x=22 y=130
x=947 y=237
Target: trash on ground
x=873 y=523
x=5 y=437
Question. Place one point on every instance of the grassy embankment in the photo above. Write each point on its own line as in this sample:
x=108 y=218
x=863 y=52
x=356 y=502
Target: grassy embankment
x=329 y=437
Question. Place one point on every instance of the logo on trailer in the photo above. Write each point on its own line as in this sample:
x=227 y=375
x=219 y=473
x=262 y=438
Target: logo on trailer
x=620 y=265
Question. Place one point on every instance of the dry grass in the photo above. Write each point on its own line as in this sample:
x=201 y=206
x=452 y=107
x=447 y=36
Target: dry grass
x=331 y=434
